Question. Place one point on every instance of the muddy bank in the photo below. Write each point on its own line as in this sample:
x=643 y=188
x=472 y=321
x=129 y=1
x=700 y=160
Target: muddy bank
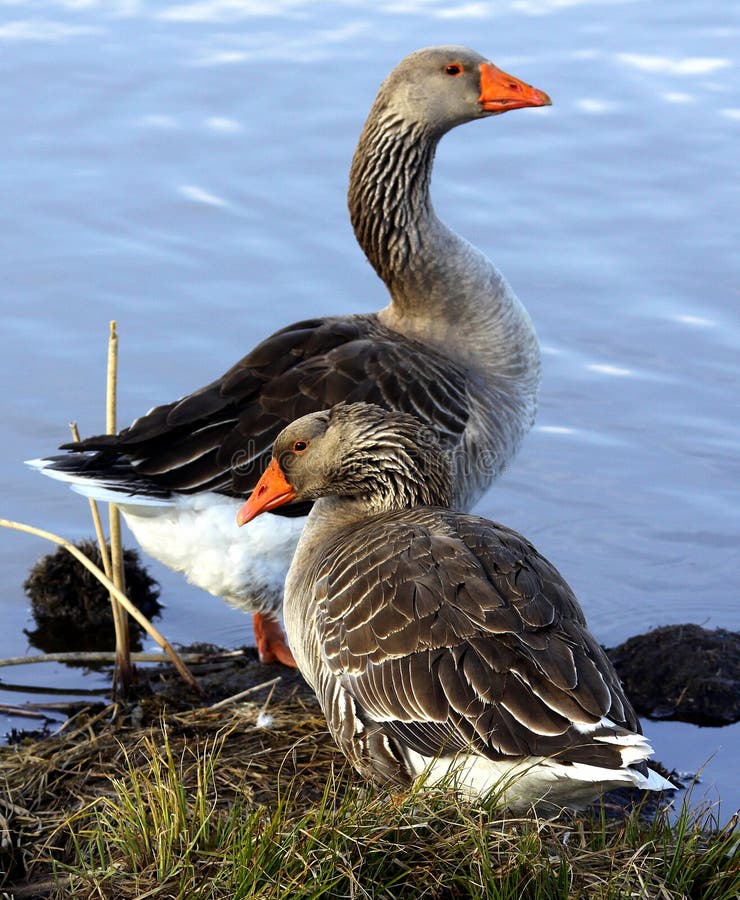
x=274 y=738
x=267 y=746
x=682 y=672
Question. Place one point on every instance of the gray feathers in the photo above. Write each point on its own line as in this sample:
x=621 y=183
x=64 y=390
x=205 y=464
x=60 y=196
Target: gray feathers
x=432 y=616
x=441 y=633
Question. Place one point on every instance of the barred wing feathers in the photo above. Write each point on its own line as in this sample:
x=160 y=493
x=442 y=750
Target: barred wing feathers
x=448 y=631
x=220 y=437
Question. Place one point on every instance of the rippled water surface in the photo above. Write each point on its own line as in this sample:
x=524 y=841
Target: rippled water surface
x=182 y=168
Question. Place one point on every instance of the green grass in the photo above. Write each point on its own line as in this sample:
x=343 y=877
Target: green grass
x=164 y=831
x=204 y=804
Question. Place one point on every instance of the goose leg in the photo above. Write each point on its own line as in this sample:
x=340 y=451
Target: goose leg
x=271 y=643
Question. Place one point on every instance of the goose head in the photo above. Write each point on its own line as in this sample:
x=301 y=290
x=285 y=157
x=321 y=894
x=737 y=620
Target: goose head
x=360 y=452
x=442 y=87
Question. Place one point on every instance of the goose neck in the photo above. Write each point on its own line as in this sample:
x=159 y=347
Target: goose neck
x=389 y=202
x=444 y=292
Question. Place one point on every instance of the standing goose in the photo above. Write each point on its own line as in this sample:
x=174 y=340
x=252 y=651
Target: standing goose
x=454 y=346
x=438 y=641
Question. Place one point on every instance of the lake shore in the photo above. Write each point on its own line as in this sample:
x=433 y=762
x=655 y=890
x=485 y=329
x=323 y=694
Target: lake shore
x=175 y=794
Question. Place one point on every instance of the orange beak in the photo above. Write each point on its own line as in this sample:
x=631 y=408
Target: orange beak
x=499 y=91
x=272 y=490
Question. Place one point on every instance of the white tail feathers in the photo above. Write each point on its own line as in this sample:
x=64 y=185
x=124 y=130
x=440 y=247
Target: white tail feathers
x=104 y=490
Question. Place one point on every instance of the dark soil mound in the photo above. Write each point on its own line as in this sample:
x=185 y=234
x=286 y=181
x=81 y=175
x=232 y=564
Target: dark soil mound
x=682 y=672
x=71 y=607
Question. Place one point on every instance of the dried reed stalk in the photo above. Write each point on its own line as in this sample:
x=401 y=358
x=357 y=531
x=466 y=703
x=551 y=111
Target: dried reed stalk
x=124 y=668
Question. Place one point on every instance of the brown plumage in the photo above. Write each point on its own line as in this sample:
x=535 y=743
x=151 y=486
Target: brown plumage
x=438 y=638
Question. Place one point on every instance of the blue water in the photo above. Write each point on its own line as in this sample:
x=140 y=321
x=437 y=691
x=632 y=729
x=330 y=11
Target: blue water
x=182 y=168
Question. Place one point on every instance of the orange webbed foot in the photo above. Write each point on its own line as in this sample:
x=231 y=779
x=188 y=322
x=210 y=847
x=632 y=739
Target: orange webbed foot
x=272 y=644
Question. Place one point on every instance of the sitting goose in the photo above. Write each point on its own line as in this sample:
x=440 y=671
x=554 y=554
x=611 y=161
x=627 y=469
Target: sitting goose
x=454 y=346
x=438 y=641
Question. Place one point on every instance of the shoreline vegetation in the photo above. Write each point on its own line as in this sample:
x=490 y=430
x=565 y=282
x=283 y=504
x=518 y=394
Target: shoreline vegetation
x=175 y=794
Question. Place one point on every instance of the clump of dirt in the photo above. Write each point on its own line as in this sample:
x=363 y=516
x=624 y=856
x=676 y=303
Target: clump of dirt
x=71 y=607
x=682 y=672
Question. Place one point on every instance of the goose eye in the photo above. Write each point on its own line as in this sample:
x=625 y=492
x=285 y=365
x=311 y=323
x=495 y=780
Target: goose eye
x=300 y=446
x=453 y=69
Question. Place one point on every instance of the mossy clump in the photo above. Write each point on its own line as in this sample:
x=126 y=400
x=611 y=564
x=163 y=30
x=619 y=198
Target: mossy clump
x=682 y=672
x=71 y=607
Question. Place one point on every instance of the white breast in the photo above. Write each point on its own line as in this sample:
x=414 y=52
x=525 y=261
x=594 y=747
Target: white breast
x=198 y=536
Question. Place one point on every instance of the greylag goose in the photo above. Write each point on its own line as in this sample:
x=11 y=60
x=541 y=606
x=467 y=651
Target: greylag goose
x=438 y=642
x=454 y=346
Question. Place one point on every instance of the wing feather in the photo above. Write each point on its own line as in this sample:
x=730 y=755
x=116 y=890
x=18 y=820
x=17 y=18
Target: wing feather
x=220 y=437
x=451 y=630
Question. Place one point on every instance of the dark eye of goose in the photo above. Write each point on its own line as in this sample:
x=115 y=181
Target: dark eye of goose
x=300 y=446
x=454 y=69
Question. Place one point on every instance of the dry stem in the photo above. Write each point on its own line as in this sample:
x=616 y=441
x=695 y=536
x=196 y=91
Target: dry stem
x=120 y=622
